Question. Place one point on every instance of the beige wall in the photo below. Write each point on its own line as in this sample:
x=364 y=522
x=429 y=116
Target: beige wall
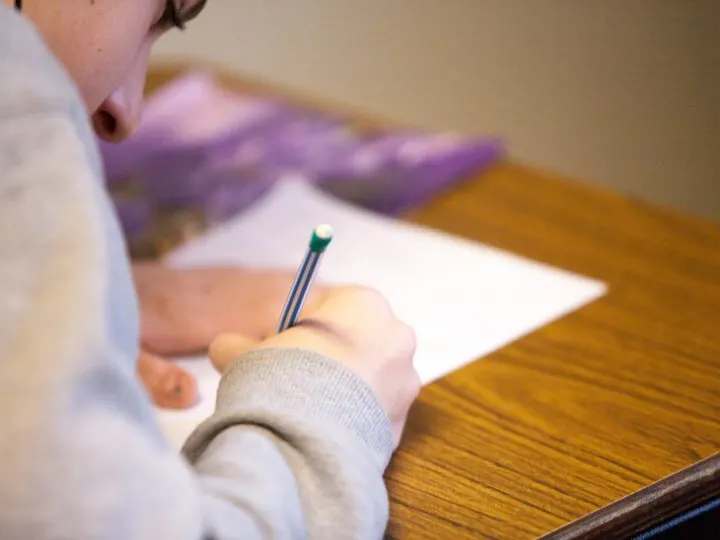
x=623 y=93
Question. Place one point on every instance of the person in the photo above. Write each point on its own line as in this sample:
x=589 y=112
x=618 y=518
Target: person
x=305 y=422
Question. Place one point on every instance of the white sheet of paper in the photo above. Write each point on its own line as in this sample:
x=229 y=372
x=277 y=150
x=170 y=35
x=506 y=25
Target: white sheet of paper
x=463 y=299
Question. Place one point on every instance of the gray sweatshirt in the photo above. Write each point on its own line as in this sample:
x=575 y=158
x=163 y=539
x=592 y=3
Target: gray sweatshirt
x=297 y=445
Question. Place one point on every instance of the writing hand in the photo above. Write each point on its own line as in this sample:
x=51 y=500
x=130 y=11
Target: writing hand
x=355 y=327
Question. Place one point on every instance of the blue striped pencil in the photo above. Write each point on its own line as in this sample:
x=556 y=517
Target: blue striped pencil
x=321 y=237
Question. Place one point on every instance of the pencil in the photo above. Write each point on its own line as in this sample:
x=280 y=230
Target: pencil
x=321 y=237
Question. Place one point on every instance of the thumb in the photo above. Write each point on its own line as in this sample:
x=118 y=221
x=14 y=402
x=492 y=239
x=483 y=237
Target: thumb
x=226 y=348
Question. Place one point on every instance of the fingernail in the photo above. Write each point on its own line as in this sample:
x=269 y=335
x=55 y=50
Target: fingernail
x=173 y=386
x=179 y=390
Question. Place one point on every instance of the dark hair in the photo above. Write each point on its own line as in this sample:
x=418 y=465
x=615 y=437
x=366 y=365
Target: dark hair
x=18 y=5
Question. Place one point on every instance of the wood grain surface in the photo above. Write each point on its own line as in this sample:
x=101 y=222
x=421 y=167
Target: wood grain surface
x=650 y=507
x=588 y=409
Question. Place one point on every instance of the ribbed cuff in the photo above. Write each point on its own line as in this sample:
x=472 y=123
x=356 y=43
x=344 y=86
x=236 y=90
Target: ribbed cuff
x=297 y=383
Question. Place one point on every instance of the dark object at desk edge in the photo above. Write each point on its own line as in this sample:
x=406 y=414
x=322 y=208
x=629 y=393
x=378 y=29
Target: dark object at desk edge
x=650 y=506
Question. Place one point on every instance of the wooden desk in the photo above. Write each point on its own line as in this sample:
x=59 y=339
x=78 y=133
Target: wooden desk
x=588 y=409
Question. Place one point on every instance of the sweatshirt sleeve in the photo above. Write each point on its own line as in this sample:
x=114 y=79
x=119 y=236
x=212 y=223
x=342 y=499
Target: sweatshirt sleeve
x=314 y=444
x=297 y=445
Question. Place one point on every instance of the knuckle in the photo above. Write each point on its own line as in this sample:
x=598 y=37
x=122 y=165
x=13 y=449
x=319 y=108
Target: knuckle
x=408 y=335
x=366 y=295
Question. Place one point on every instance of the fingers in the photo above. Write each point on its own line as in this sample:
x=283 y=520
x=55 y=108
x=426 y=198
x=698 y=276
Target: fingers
x=169 y=386
x=227 y=348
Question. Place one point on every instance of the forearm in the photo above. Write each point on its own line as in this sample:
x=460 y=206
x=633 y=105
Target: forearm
x=314 y=443
x=275 y=461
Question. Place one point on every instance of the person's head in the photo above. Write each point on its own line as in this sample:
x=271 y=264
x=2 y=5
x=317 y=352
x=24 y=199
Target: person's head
x=104 y=45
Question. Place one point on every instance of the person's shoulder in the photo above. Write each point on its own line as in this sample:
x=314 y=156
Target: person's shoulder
x=33 y=80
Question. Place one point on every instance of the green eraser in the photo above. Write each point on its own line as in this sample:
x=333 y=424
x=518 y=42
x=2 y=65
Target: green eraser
x=322 y=236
